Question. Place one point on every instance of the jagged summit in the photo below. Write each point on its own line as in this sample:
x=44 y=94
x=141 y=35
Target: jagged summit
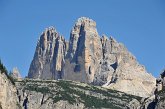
x=85 y=21
x=49 y=55
x=50 y=29
x=82 y=24
x=81 y=19
x=89 y=58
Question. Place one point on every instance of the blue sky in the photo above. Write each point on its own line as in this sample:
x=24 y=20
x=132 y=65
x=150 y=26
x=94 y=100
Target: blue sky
x=138 y=24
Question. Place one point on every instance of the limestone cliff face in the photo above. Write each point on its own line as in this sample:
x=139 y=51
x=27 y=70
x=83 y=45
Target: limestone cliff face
x=89 y=58
x=49 y=56
x=85 y=52
x=8 y=95
x=124 y=72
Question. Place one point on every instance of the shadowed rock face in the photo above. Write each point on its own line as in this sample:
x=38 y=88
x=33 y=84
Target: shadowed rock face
x=160 y=92
x=157 y=100
x=89 y=58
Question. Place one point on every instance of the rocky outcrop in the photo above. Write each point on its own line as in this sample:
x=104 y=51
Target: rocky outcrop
x=157 y=100
x=160 y=92
x=49 y=56
x=89 y=58
x=8 y=95
x=15 y=74
x=161 y=80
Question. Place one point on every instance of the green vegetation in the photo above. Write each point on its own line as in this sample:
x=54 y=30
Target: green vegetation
x=161 y=94
x=74 y=92
x=19 y=106
x=4 y=70
x=88 y=100
x=36 y=88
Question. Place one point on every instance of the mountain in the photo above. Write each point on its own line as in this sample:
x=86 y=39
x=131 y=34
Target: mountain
x=90 y=58
x=59 y=94
x=67 y=94
x=49 y=56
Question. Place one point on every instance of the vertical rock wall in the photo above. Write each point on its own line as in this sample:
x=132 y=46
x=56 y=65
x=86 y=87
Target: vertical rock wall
x=49 y=56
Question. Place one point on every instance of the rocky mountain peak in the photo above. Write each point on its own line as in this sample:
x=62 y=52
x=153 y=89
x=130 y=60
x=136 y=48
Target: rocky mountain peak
x=85 y=21
x=49 y=55
x=84 y=31
x=15 y=73
x=89 y=58
x=84 y=25
x=84 y=49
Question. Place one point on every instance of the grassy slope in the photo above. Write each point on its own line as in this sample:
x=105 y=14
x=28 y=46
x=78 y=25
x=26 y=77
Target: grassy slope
x=73 y=92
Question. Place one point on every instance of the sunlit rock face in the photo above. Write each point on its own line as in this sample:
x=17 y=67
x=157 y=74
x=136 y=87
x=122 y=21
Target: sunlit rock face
x=90 y=58
x=127 y=74
x=49 y=56
x=85 y=52
x=8 y=95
